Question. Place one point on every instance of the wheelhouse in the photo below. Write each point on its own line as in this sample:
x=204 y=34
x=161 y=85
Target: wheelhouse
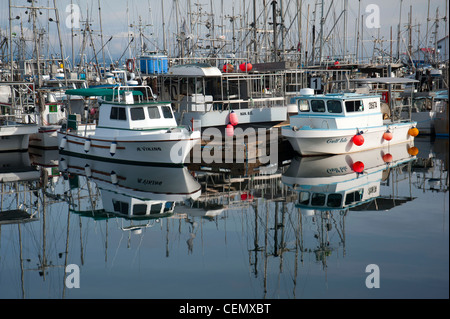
x=137 y=116
x=336 y=200
x=336 y=104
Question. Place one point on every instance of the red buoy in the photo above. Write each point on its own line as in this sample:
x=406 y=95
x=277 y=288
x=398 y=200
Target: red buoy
x=246 y=67
x=228 y=68
x=358 y=167
x=387 y=158
x=229 y=130
x=358 y=140
x=233 y=118
x=388 y=135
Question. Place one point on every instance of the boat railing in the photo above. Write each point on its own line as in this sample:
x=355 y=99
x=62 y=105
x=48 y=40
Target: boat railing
x=18 y=119
x=229 y=104
x=146 y=91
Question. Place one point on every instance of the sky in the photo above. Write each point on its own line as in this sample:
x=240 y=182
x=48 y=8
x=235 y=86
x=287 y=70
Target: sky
x=117 y=15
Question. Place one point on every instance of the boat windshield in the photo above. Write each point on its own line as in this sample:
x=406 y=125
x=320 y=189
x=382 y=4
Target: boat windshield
x=354 y=106
x=303 y=105
x=334 y=106
x=320 y=199
x=318 y=106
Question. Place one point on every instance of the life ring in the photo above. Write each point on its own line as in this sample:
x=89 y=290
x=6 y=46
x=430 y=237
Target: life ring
x=130 y=65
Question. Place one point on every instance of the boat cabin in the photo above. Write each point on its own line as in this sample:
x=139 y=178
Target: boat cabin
x=137 y=208
x=337 y=111
x=322 y=198
x=141 y=116
x=130 y=108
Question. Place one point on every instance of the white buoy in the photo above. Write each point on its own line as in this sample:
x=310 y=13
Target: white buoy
x=87 y=145
x=63 y=165
x=87 y=171
x=112 y=148
x=63 y=143
x=114 y=178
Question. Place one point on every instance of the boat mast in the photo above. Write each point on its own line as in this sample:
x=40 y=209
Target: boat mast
x=357 y=33
x=101 y=35
x=163 y=27
x=274 y=17
x=72 y=35
x=255 y=42
x=321 y=33
x=299 y=26
x=345 y=28
x=11 y=47
x=399 y=30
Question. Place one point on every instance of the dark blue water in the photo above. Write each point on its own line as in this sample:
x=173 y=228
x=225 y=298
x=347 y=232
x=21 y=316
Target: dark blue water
x=253 y=239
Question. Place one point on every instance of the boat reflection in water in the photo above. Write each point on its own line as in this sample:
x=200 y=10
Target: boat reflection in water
x=344 y=181
x=131 y=192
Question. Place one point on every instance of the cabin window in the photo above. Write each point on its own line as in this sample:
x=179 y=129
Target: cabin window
x=118 y=113
x=303 y=198
x=53 y=108
x=137 y=113
x=334 y=200
x=353 y=197
x=318 y=199
x=354 y=106
x=303 y=106
x=318 y=106
x=167 y=112
x=334 y=106
x=155 y=209
x=139 y=209
x=120 y=207
x=153 y=112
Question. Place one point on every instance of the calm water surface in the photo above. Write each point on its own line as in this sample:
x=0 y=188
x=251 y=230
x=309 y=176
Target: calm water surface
x=222 y=236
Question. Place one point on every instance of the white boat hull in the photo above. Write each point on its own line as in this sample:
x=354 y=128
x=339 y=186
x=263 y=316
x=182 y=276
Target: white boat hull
x=16 y=137
x=167 y=149
x=46 y=137
x=309 y=142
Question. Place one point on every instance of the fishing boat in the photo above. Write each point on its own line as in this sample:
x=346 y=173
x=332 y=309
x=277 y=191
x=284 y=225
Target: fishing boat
x=347 y=180
x=343 y=123
x=16 y=121
x=133 y=191
x=132 y=127
x=201 y=92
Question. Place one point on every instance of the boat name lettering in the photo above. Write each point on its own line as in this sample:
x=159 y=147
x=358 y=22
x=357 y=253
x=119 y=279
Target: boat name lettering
x=148 y=149
x=149 y=182
x=246 y=113
x=335 y=170
x=372 y=190
x=372 y=105
x=337 y=140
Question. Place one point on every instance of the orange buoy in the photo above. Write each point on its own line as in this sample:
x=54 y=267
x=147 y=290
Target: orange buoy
x=358 y=167
x=358 y=139
x=233 y=118
x=229 y=130
x=388 y=135
x=387 y=158
x=413 y=151
x=413 y=131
